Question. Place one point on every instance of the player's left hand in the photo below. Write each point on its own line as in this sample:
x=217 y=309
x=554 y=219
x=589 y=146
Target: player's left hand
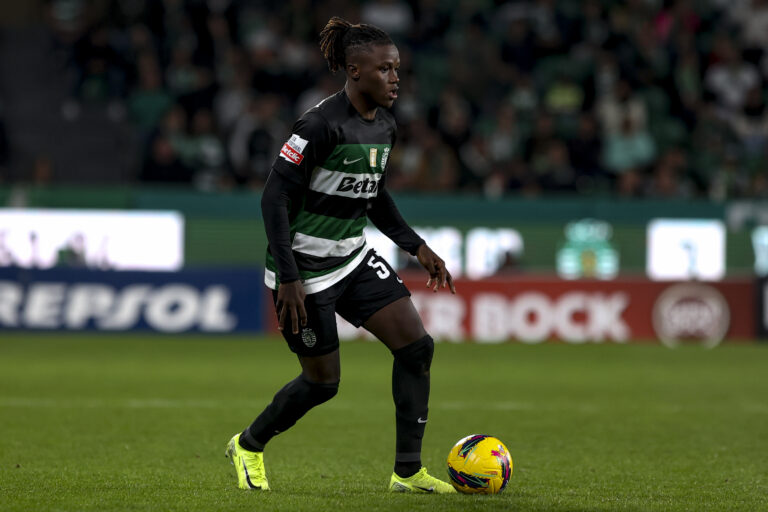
x=439 y=276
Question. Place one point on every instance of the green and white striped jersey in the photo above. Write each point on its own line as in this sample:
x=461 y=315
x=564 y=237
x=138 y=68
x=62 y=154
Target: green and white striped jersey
x=340 y=159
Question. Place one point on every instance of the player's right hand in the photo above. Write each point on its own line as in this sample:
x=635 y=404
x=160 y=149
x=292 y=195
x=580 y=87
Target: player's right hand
x=439 y=276
x=290 y=301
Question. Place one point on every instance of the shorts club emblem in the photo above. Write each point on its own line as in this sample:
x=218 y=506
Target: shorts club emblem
x=308 y=337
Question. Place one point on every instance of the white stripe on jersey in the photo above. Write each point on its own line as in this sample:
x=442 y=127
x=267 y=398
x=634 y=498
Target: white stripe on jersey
x=336 y=183
x=324 y=247
x=320 y=283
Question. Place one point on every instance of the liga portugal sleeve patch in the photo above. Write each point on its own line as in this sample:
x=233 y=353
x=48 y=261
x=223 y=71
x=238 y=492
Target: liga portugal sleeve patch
x=293 y=149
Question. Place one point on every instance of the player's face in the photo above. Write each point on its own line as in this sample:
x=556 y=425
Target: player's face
x=379 y=74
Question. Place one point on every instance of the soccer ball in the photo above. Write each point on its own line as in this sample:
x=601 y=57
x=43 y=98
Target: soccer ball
x=479 y=464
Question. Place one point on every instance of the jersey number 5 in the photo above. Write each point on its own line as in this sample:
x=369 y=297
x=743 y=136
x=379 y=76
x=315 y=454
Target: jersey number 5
x=381 y=270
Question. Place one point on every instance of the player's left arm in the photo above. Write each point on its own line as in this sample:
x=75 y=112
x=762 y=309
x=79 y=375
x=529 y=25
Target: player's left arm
x=386 y=217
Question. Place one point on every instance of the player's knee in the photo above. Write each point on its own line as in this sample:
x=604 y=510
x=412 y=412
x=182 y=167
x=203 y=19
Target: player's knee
x=416 y=357
x=320 y=392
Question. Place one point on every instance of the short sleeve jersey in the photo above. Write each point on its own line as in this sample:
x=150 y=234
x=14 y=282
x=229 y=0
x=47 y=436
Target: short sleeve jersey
x=339 y=158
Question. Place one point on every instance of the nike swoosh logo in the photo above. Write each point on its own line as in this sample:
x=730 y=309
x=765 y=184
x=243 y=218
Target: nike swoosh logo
x=421 y=420
x=425 y=489
x=348 y=162
x=248 y=477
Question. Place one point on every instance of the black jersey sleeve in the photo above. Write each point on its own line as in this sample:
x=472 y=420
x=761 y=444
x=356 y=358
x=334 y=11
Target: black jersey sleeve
x=276 y=200
x=309 y=145
x=386 y=217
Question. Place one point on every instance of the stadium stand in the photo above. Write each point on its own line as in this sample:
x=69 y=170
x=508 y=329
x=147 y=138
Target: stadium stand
x=640 y=98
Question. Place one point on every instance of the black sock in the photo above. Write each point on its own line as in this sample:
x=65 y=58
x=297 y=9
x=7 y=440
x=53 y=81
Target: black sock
x=289 y=404
x=247 y=441
x=410 y=390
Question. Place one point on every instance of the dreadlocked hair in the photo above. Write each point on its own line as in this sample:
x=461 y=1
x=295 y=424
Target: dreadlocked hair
x=339 y=36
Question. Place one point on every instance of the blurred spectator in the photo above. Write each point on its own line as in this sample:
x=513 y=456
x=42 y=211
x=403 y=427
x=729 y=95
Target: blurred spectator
x=594 y=29
x=174 y=127
x=628 y=151
x=564 y=96
x=550 y=26
x=651 y=60
x=326 y=86
x=758 y=187
x=67 y=20
x=605 y=76
x=181 y=76
x=751 y=17
x=256 y=140
x=687 y=80
x=517 y=46
x=474 y=62
x=622 y=20
x=162 y=164
x=149 y=101
x=619 y=107
x=520 y=180
x=675 y=17
x=475 y=158
x=139 y=41
x=668 y=179
x=505 y=138
x=424 y=162
x=495 y=184
x=453 y=118
x=432 y=20
x=730 y=78
x=751 y=124
x=728 y=180
x=209 y=154
x=393 y=16
x=716 y=145
x=216 y=48
x=554 y=169
x=523 y=97
x=541 y=138
x=232 y=100
x=584 y=151
x=99 y=74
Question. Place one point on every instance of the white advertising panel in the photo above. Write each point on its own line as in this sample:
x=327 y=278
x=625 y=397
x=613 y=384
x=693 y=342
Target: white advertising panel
x=685 y=249
x=100 y=239
x=481 y=253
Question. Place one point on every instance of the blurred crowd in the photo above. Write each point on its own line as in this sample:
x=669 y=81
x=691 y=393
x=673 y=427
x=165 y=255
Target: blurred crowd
x=643 y=98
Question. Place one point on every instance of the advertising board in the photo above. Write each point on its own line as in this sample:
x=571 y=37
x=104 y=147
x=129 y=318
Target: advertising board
x=99 y=239
x=215 y=301
x=531 y=310
x=761 y=303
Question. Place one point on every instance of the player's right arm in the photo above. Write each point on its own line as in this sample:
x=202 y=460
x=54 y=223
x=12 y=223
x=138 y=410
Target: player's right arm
x=286 y=185
x=279 y=193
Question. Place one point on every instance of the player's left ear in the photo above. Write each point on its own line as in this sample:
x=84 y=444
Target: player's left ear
x=353 y=72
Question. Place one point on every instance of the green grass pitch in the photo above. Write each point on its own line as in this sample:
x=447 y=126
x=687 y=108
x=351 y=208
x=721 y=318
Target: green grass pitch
x=99 y=423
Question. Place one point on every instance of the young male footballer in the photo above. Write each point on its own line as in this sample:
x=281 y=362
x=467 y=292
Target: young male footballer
x=325 y=184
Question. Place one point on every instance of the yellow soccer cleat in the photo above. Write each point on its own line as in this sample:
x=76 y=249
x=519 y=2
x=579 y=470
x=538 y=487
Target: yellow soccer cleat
x=248 y=465
x=421 y=482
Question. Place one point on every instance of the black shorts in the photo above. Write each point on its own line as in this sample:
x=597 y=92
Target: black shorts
x=371 y=286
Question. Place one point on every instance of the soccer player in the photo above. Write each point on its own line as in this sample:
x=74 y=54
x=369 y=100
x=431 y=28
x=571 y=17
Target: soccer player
x=326 y=182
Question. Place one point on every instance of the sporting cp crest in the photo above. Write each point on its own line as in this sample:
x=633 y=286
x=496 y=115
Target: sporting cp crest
x=308 y=337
